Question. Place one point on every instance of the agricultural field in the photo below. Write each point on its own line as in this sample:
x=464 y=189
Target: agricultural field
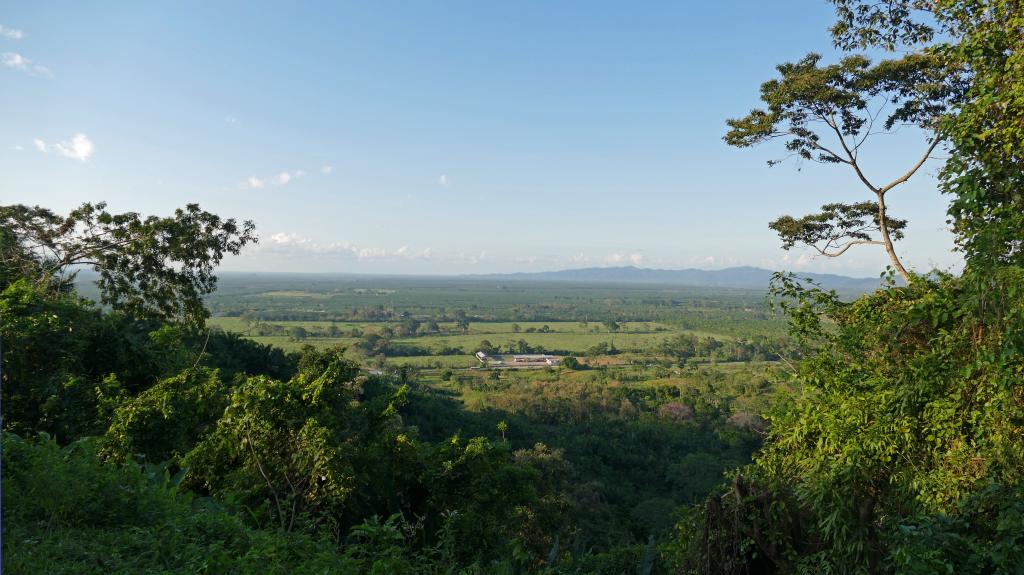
x=440 y=323
x=341 y=298
x=569 y=336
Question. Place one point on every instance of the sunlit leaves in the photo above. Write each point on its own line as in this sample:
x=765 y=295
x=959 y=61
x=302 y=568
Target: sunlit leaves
x=836 y=227
x=824 y=113
x=149 y=267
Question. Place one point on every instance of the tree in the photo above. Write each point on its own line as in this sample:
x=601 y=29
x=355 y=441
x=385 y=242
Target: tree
x=980 y=42
x=612 y=325
x=409 y=326
x=826 y=114
x=148 y=267
x=462 y=320
x=522 y=346
x=251 y=320
x=487 y=347
x=372 y=344
x=298 y=333
x=902 y=453
x=285 y=442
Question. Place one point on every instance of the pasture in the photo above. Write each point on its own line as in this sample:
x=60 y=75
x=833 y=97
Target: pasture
x=433 y=324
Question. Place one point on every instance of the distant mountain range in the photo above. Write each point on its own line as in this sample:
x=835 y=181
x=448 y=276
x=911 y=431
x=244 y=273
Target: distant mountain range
x=737 y=277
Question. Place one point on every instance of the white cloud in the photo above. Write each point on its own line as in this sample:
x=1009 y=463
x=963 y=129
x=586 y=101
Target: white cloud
x=799 y=262
x=279 y=179
x=327 y=169
x=79 y=147
x=16 y=147
x=11 y=33
x=16 y=61
x=285 y=177
x=402 y=253
x=372 y=253
x=443 y=179
x=718 y=261
x=231 y=121
x=635 y=259
x=283 y=239
x=292 y=244
x=579 y=258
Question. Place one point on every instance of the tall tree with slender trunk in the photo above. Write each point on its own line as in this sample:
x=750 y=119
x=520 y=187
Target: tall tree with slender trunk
x=827 y=114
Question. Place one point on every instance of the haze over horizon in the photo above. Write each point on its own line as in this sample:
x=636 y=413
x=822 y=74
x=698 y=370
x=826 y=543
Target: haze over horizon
x=467 y=138
x=610 y=271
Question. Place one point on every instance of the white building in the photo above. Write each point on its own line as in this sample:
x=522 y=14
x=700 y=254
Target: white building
x=536 y=359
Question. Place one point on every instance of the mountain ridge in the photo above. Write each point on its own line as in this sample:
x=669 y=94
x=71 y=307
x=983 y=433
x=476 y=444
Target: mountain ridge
x=739 y=276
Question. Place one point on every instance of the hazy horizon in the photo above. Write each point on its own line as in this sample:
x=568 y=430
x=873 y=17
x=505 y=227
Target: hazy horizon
x=255 y=271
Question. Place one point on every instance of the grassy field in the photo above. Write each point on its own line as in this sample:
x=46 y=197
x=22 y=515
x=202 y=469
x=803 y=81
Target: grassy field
x=354 y=300
x=575 y=337
x=555 y=317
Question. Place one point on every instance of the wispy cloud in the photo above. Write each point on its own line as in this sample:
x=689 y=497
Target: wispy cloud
x=279 y=179
x=718 y=261
x=79 y=147
x=443 y=180
x=11 y=33
x=293 y=244
x=328 y=169
x=18 y=62
x=617 y=258
x=402 y=253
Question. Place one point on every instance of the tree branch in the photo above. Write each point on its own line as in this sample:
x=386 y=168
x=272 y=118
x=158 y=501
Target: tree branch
x=273 y=492
x=852 y=158
x=847 y=246
x=912 y=170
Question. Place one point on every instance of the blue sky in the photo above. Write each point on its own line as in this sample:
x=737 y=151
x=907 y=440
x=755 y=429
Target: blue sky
x=435 y=137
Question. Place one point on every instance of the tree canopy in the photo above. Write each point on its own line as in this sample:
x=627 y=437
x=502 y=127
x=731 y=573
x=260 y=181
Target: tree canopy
x=902 y=453
x=827 y=113
x=151 y=267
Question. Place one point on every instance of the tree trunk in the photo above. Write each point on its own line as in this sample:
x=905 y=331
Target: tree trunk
x=889 y=249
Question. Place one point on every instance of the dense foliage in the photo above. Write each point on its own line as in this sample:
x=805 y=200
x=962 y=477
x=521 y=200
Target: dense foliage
x=258 y=456
x=257 y=459
x=149 y=267
x=903 y=453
